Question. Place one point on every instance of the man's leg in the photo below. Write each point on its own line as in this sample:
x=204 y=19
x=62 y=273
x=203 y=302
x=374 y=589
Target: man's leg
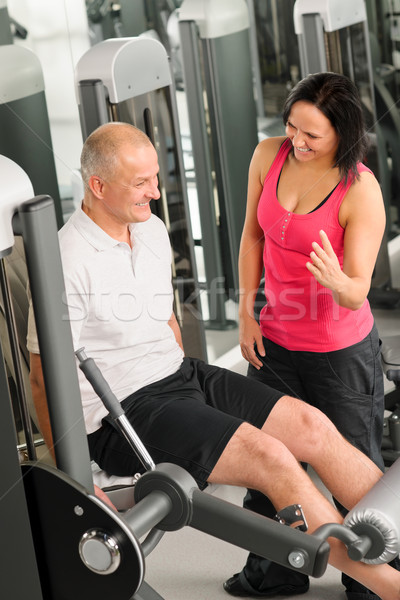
x=354 y=402
x=345 y=385
x=268 y=461
x=261 y=577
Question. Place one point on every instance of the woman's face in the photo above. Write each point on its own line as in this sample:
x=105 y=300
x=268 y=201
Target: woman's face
x=311 y=133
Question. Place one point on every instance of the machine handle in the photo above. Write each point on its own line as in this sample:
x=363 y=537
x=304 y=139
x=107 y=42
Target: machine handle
x=107 y=396
x=99 y=384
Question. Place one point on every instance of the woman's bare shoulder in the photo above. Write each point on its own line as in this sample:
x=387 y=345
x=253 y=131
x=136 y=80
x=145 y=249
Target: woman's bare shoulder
x=266 y=151
x=364 y=197
x=365 y=186
x=270 y=146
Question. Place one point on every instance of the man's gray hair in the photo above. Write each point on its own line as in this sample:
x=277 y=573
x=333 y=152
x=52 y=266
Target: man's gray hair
x=100 y=152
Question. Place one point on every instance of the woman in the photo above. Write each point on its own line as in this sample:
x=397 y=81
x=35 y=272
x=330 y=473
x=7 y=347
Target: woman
x=314 y=222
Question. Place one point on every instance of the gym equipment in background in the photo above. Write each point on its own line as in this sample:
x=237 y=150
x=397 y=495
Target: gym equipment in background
x=130 y=80
x=218 y=84
x=24 y=123
x=333 y=36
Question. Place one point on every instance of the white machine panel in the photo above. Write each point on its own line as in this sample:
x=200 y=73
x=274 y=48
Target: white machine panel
x=20 y=75
x=127 y=67
x=15 y=188
x=335 y=14
x=215 y=19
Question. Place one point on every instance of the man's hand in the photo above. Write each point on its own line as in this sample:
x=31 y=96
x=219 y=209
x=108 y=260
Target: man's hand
x=103 y=496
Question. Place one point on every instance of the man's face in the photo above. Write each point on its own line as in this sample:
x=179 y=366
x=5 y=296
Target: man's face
x=126 y=198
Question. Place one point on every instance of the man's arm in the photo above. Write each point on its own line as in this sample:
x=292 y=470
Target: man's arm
x=173 y=323
x=39 y=399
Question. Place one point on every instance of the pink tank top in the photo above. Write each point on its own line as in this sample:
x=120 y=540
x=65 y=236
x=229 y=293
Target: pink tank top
x=301 y=314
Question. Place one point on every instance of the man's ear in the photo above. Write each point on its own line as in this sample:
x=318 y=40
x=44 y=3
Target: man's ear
x=96 y=186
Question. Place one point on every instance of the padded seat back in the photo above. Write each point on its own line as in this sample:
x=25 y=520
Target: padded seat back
x=17 y=278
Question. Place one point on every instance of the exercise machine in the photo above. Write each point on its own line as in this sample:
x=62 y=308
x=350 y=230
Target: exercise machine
x=71 y=544
x=334 y=36
x=391 y=366
x=218 y=84
x=130 y=80
x=24 y=123
x=6 y=36
x=109 y=19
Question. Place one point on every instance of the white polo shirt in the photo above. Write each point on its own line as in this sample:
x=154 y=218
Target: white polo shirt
x=119 y=303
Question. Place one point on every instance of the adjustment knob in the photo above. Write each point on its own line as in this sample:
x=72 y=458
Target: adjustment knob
x=99 y=552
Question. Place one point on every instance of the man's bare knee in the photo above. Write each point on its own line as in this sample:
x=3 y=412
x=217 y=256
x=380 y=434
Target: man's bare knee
x=248 y=456
x=301 y=427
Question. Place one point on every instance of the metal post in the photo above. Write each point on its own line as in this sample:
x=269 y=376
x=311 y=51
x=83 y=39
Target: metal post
x=203 y=168
x=311 y=41
x=39 y=231
x=255 y=60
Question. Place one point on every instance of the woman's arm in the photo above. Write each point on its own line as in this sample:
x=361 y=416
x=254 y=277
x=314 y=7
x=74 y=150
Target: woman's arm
x=251 y=252
x=362 y=215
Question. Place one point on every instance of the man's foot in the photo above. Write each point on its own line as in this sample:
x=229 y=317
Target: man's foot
x=235 y=586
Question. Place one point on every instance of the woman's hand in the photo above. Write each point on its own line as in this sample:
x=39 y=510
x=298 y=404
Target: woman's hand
x=325 y=265
x=250 y=336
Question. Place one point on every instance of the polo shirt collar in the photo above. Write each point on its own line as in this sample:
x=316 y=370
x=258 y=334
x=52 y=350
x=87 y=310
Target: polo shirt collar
x=93 y=234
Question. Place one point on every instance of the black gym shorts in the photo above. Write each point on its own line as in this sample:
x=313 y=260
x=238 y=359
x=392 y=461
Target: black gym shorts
x=186 y=419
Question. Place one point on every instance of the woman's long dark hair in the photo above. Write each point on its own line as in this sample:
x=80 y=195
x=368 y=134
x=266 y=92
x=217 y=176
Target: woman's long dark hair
x=337 y=98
